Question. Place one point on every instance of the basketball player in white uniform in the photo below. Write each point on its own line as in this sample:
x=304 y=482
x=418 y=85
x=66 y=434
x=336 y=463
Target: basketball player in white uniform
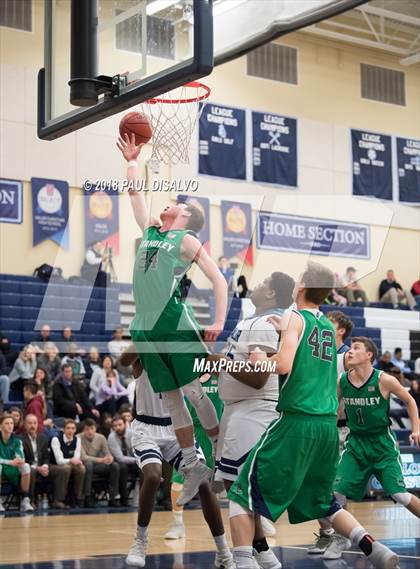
x=154 y=440
x=249 y=410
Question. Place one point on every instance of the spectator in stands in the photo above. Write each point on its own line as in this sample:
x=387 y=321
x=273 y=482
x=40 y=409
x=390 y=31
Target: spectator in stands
x=398 y=362
x=126 y=413
x=385 y=364
x=117 y=345
x=44 y=337
x=41 y=379
x=98 y=461
x=67 y=338
x=13 y=468
x=391 y=291
x=105 y=424
x=351 y=289
x=227 y=271
x=119 y=442
x=69 y=396
x=8 y=352
x=92 y=361
x=17 y=415
x=51 y=362
x=99 y=376
x=34 y=403
x=65 y=462
x=242 y=287
x=73 y=358
x=92 y=267
x=415 y=289
x=23 y=368
x=415 y=392
x=111 y=394
x=4 y=379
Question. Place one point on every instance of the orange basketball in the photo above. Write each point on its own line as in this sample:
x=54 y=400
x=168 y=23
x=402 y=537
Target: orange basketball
x=137 y=124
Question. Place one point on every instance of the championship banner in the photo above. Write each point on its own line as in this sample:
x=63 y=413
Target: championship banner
x=237 y=230
x=10 y=201
x=408 y=160
x=102 y=219
x=274 y=149
x=372 y=164
x=294 y=234
x=222 y=142
x=203 y=205
x=50 y=211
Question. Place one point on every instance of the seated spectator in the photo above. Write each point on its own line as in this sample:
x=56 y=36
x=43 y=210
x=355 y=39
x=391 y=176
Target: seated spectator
x=126 y=412
x=119 y=442
x=117 y=345
x=13 y=468
x=391 y=291
x=74 y=359
x=99 y=376
x=92 y=361
x=8 y=352
x=44 y=337
x=111 y=394
x=385 y=364
x=23 y=368
x=415 y=289
x=351 y=289
x=66 y=463
x=17 y=415
x=98 y=461
x=51 y=363
x=67 y=337
x=398 y=362
x=37 y=455
x=415 y=392
x=69 y=396
x=242 y=287
x=34 y=403
x=40 y=378
x=4 y=379
x=105 y=424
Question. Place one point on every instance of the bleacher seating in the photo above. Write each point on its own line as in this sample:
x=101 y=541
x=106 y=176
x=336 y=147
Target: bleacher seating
x=26 y=303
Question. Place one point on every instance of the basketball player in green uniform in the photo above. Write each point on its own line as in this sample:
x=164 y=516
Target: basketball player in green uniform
x=293 y=465
x=371 y=447
x=164 y=330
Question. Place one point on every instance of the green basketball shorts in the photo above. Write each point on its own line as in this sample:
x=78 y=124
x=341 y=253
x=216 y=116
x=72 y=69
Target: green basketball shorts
x=291 y=468
x=366 y=456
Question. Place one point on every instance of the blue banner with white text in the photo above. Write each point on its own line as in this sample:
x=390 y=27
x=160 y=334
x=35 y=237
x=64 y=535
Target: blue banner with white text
x=274 y=149
x=408 y=159
x=372 y=164
x=295 y=234
x=10 y=201
x=50 y=211
x=222 y=142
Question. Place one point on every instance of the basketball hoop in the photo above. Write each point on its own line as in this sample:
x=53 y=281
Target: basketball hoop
x=173 y=116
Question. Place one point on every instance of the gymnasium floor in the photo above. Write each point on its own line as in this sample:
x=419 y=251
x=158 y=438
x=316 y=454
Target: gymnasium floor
x=101 y=540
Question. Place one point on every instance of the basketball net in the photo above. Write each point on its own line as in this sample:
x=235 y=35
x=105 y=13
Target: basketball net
x=173 y=117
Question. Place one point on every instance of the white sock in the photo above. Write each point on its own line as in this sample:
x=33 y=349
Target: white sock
x=178 y=517
x=189 y=454
x=357 y=534
x=142 y=532
x=221 y=542
x=243 y=557
x=329 y=531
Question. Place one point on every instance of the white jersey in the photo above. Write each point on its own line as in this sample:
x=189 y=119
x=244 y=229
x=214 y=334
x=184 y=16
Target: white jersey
x=341 y=352
x=147 y=402
x=250 y=332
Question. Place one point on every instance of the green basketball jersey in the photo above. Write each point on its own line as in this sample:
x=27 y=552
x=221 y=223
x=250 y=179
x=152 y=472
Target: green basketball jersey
x=311 y=386
x=367 y=410
x=158 y=270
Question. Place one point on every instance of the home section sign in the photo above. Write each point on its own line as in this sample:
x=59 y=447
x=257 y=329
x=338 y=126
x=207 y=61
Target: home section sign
x=408 y=157
x=10 y=201
x=372 y=164
x=274 y=149
x=295 y=234
x=222 y=142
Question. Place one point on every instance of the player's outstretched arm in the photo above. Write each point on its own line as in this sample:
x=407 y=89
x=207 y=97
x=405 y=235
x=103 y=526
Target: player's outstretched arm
x=131 y=152
x=194 y=251
x=289 y=344
x=390 y=384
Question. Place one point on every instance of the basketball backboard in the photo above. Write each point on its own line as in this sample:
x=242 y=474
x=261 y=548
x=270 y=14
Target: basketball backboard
x=138 y=49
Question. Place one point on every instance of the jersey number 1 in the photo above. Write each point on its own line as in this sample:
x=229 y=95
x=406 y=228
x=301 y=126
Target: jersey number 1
x=321 y=347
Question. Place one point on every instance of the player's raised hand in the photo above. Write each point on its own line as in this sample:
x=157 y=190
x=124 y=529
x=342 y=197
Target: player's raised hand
x=257 y=355
x=128 y=147
x=415 y=438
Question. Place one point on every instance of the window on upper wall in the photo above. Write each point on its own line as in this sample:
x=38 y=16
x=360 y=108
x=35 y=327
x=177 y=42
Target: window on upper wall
x=382 y=84
x=274 y=61
x=16 y=14
x=160 y=36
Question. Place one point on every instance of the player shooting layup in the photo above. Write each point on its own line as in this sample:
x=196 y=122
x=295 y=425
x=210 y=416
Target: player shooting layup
x=164 y=330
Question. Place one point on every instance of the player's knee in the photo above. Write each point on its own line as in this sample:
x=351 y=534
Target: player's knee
x=178 y=411
x=152 y=475
x=25 y=468
x=237 y=510
x=403 y=498
x=194 y=392
x=177 y=487
x=336 y=507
